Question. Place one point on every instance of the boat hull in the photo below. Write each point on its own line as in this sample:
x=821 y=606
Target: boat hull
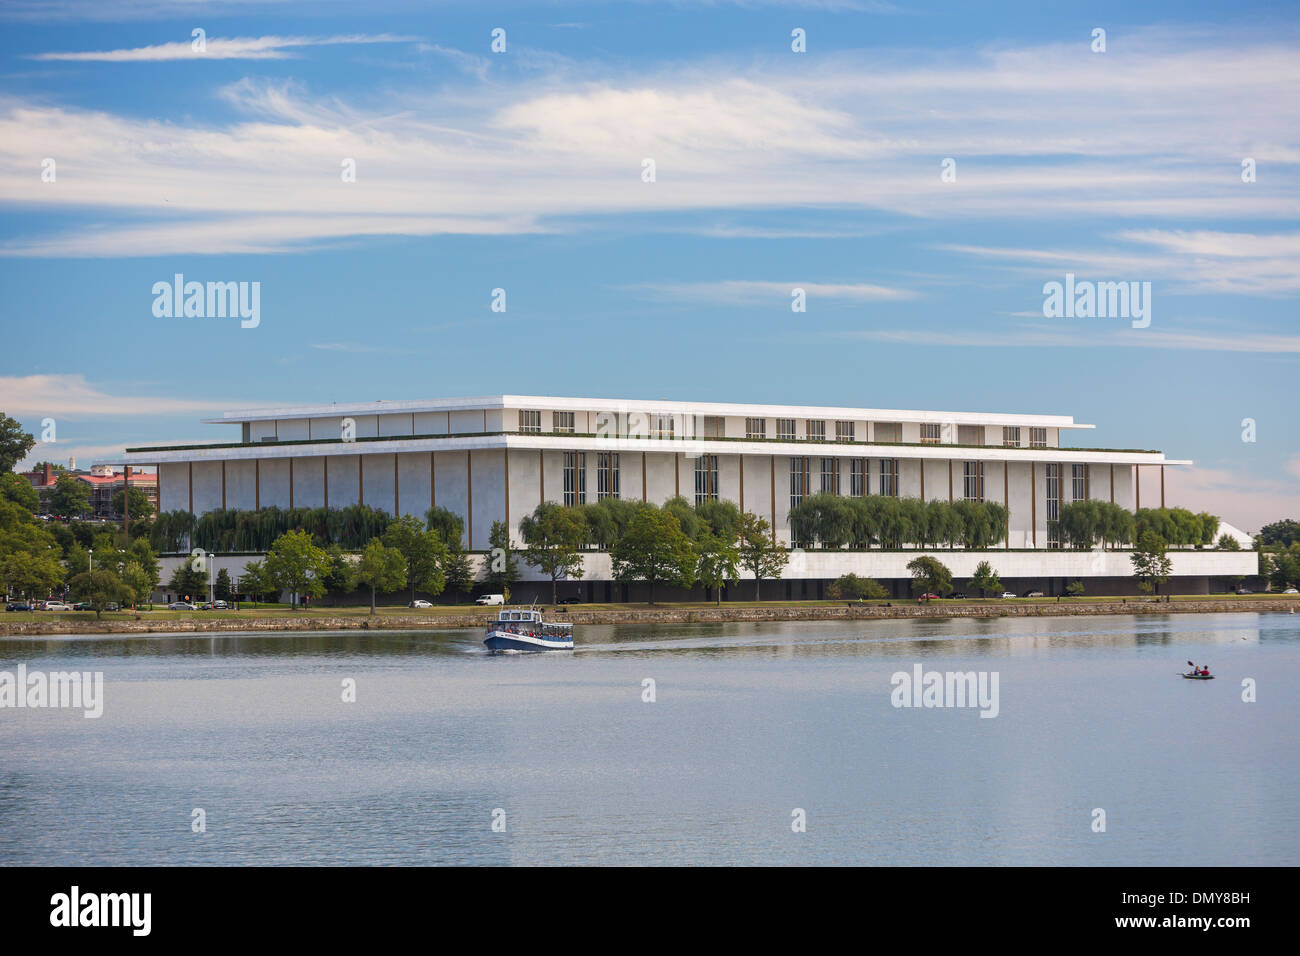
x=504 y=641
x=1196 y=677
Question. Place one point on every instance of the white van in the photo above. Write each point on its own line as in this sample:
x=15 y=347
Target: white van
x=488 y=599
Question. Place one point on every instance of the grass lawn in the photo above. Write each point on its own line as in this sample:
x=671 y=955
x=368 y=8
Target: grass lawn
x=272 y=611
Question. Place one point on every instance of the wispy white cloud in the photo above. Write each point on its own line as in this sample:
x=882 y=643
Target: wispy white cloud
x=745 y=291
x=1039 y=133
x=1080 y=333
x=1236 y=493
x=1200 y=261
x=218 y=48
x=71 y=395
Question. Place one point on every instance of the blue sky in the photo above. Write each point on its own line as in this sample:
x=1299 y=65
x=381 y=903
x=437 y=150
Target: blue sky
x=522 y=170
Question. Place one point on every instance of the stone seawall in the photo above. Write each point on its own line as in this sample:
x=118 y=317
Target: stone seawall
x=659 y=615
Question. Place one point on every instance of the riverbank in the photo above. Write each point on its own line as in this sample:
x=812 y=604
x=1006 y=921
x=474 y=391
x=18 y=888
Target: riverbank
x=331 y=620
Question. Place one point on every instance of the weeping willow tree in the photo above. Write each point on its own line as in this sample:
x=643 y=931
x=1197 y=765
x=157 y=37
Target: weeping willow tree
x=226 y=530
x=893 y=523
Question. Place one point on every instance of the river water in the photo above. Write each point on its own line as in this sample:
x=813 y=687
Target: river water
x=449 y=755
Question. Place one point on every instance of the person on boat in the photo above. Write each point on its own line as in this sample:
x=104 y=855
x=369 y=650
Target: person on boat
x=1205 y=671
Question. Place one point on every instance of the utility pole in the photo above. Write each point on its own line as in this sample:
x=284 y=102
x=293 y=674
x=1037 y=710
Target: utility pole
x=126 y=501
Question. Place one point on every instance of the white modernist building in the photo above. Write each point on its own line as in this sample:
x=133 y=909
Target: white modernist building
x=496 y=458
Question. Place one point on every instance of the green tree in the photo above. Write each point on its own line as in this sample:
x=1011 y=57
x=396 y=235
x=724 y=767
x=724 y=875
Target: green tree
x=1285 y=532
x=1151 y=564
x=502 y=566
x=297 y=565
x=853 y=587
x=140 y=507
x=14 y=443
x=1285 y=571
x=99 y=588
x=137 y=581
x=30 y=573
x=555 y=535
x=189 y=581
x=20 y=491
x=381 y=569
x=759 y=553
x=929 y=575
x=654 y=550
x=340 y=571
x=718 y=562
x=70 y=497
x=253 y=581
x=986 y=579
x=1074 y=589
x=424 y=550
x=1227 y=542
x=222 y=587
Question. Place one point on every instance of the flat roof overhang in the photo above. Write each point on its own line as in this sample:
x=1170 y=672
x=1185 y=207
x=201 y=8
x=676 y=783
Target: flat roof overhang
x=687 y=447
x=535 y=402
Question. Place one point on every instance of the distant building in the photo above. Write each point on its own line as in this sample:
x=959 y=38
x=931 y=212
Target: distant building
x=104 y=481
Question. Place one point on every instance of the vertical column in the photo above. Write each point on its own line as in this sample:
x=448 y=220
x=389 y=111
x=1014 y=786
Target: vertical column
x=1162 y=486
x=742 y=484
x=223 y=486
x=290 y=482
x=1006 y=498
x=191 y=487
x=469 y=498
x=1033 y=501
x=257 y=484
x=1112 y=483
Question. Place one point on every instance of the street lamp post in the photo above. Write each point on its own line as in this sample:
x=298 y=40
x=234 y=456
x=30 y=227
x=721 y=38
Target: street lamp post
x=212 y=579
x=91 y=552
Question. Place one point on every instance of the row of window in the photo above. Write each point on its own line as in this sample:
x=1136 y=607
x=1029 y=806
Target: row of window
x=706 y=480
x=713 y=426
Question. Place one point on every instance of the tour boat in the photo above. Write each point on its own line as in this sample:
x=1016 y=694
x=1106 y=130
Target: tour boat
x=517 y=629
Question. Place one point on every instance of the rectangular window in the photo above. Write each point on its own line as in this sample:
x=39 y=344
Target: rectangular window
x=930 y=433
x=530 y=421
x=785 y=429
x=1038 y=438
x=889 y=477
x=970 y=434
x=831 y=476
x=798 y=480
x=844 y=431
x=858 y=478
x=714 y=426
x=1053 y=505
x=816 y=430
x=661 y=426
x=1079 y=482
x=798 y=488
x=564 y=422
x=575 y=478
x=1011 y=436
x=606 y=475
x=973 y=480
x=756 y=428
x=889 y=431
x=706 y=478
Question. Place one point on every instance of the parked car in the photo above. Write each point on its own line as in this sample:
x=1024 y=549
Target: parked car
x=18 y=606
x=220 y=605
x=112 y=606
x=1008 y=594
x=569 y=600
x=957 y=596
x=928 y=597
x=1291 y=591
x=1244 y=591
x=1033 y=594
x=83 y=606
x=57 y=606
x=486 y=599
x=420 y=603
x=181 y=606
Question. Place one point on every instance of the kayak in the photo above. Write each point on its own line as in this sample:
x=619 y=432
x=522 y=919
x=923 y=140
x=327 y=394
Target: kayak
x=1198 y=677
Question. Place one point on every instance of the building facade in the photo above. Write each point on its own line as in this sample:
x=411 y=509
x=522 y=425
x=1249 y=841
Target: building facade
x=496 y=458
x=102 y=481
